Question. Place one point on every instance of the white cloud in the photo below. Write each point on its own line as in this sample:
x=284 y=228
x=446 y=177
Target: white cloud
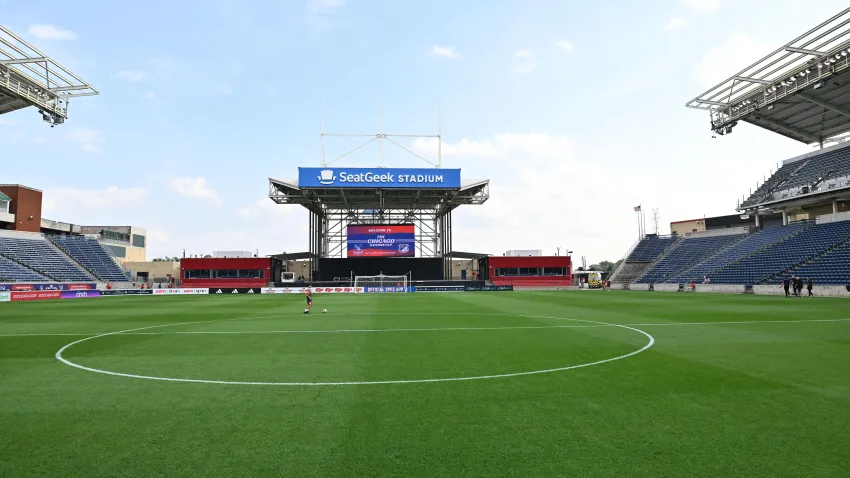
x=519 y=164
x=565 y=45
x=703 y=5
x=195 y=188
x=736 y=53
x=7 y=122
x=51 y=32
x=445 y=52
x=133 y=76
x=675 y=24
x=71 y=200
x=150 y=95
x=525 y=61
x=90 y=140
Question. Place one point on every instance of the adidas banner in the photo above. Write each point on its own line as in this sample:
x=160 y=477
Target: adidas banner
x=229 y=290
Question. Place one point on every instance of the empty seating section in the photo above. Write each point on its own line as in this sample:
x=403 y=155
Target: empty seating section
x=832 y=268
x=41 y=256
x=11 y=271
x=805 y=172
x=685 y=254
x=750 y=244
x=650 y=247
x=774 y=260
x=92 y=255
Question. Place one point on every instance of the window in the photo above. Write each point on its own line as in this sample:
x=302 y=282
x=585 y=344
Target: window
x=225 y=274
x=4 y=206
x=554 y=271
x=197 y=274
x=138 y=241
x=116 y=251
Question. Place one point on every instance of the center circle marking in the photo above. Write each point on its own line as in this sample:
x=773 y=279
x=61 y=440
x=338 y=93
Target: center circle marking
x=650 y=343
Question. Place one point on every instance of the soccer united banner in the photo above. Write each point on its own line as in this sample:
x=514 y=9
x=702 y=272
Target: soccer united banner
x=382 y=241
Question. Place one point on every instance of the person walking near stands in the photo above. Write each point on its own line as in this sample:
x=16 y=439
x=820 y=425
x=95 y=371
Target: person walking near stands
x=809 y=285
x=785 y=285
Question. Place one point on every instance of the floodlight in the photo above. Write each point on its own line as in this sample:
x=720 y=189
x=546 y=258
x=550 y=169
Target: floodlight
x=818 y=85
x=770 y=107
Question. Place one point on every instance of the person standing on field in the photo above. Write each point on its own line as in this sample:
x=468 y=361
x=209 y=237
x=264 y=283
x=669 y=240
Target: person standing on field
x=809 y=285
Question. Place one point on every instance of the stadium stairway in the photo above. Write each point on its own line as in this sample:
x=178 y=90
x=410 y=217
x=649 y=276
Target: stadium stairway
x=749 y=245
x=641 y=257
x=684 y=254
x=794 y=250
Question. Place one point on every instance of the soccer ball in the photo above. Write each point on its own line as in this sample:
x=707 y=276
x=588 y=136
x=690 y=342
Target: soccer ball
x=324 y=311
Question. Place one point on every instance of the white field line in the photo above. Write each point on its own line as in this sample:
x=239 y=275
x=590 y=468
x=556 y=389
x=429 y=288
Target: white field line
x=62 y=359
x=441 y=329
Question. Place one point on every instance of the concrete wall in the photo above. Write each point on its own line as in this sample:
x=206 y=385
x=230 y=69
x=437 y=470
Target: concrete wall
x=684 y=227
x=666 y=287
x=719 y=232
x=720 y=288
x=155 y=270
x=638 y=287
x=818 y=290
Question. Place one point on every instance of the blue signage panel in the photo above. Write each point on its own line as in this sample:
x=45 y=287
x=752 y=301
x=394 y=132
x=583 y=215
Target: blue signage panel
x=387 y=178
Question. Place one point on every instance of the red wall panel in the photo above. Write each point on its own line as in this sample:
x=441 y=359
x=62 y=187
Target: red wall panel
x=499 y=262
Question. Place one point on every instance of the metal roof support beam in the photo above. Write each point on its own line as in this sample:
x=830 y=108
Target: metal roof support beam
x=752 y=80
x=22 y=60
x=828 y=106
x=798 y=132
x=804 y=51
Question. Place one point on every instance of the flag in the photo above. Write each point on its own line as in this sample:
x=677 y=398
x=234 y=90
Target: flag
x=637 y=208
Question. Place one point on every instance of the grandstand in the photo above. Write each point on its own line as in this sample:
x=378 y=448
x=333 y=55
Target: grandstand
x=685 y=253
x=92 y=255
x=39 y=255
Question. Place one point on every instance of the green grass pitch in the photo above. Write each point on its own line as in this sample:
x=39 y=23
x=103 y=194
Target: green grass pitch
x=731 y=386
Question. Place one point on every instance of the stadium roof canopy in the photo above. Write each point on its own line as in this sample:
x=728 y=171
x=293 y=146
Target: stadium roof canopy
x=28 y=77
x=801 y=90
x=317 y=199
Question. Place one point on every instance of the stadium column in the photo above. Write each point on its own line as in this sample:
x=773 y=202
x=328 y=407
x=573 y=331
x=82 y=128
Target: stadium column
x=835 y=206
x=784 y=217
x=757 y=219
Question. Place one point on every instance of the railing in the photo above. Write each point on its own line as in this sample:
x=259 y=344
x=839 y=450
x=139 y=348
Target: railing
x=623 y=262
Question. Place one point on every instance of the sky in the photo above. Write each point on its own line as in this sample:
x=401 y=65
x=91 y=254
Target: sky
x=573 y=110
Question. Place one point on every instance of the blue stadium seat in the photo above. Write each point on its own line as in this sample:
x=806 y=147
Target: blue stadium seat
x=805 y=172
x=685 y=254
x=11 y=271
x=92 y=255
x=779 y=258
x=830 y=268
x=41 y=256
x=650 y=248
x=750 y=244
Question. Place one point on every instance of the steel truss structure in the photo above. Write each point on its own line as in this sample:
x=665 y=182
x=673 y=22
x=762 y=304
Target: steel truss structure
x=801 y=90
x=332 y=210
x=28 y=77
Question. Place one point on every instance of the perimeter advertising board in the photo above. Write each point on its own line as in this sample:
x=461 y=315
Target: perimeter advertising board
x=31 y=287
x=80 y=294
x=385 y=178
x=5 y=296
x=36 y=295
x=382 y=241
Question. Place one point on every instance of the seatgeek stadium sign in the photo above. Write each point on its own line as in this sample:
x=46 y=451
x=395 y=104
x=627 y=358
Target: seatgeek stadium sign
x=386 y=178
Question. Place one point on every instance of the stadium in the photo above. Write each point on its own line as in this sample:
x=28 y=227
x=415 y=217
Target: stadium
x=719 y=349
